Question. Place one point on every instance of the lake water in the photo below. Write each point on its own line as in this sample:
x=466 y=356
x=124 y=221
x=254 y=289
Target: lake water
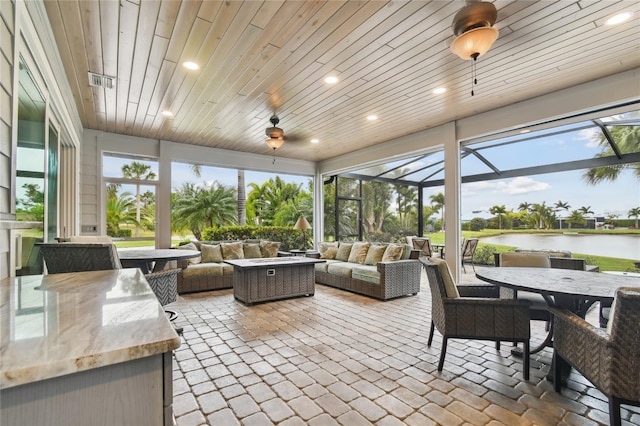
x=621 y=246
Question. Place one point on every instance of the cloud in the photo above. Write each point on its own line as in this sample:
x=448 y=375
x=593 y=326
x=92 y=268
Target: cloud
x=591 y=136
x=519 y=185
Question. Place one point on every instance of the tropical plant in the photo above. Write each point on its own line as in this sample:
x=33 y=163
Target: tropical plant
x=635 y=212
x=586 y=210
x=376 y=201
x=499 y=211
x=242 y=199
x=121 y=209
x=561 y=205
x=576 y=218
x=524 y=206
x=200 y=207
x=437 y=203
x=264 y=201
x=138 y=171
x=542 y=215
x=627 y=139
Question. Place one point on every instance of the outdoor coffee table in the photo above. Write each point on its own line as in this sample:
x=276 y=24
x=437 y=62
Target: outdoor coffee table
x=261 y=280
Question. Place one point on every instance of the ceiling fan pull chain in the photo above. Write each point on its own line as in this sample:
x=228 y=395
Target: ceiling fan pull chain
x=474 y=80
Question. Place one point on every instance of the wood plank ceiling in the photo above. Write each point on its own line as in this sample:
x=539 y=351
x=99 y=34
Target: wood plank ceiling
x=261 y=57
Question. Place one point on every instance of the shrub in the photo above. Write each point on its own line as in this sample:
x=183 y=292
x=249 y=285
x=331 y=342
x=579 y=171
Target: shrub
x=484 y=254
x=477 y=224
x=289 y=237
x=119 y=233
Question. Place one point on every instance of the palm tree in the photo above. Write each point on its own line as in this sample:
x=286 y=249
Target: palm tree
x=499 y=211
x=543 y=215
x=120 y=210
x=524 y=206
x=138 y=172
x=628 y=140
x=197 y=208
x=561 y=205
x=585 y=210
x=635 y=212
x=576 y=217
x=437 y=203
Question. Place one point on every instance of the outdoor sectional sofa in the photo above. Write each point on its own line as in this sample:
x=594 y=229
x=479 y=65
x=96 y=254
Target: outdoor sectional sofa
x=209 y=272
x=379 y=270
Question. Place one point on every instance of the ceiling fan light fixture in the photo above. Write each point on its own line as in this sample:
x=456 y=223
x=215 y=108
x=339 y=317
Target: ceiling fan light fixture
x=474 y=43
x=274 y=143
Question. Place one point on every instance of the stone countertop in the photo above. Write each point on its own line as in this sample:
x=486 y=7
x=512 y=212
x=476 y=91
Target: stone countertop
x=59 y=324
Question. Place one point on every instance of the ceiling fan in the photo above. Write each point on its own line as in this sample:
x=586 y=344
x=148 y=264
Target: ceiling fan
x=275 y=135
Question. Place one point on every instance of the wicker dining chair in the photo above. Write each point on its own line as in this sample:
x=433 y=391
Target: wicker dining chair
x=469 y=246
x=476 y=318
x=610 y=359
x=91 y=256
x=423 y=244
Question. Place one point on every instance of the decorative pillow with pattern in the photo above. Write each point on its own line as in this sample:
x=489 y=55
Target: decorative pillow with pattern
x=211 y=253
x=344 y=250
x=393 y=252
x=324 y=246
x=269 y=248
x=252 y=251
x=374 y=255
x=329 y=253
x=190 y=246
x=358 y=252
x=232 y=251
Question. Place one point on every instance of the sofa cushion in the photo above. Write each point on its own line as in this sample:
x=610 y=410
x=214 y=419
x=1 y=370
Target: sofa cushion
x=329 y=253
x=203 y=270
x=252 y=251
x=324 y=246
x=393 y=252
x=323 y=267
x=211 y=253
x=344 y=250
x=227 y=269
x=406 y=251
x=366 y=273
x=232 y=251
x=340 y=268
x=375 y=253
x=358 y=252
x=269 y=248
x=191 y=246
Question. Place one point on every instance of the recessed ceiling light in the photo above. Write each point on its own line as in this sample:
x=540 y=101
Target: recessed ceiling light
x=439 y=90
x=372 y=117
x=619 y=18
x=315 y=140
x=167 y=113
x=332 y=79
x=191 y=65
x=525 y=131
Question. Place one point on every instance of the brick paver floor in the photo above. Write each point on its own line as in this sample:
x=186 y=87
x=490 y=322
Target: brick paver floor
x=338 y=358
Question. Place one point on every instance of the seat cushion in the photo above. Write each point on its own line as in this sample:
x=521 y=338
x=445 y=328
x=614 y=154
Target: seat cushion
x=203 y=270
x=340 y=268
x=366 y=273
x=449 y=286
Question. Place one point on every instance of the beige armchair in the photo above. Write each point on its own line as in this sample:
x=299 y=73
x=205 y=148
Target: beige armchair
x=423 y=244
x=610 y=359
x=473 y=317
x=469 y=246
x=527 y=260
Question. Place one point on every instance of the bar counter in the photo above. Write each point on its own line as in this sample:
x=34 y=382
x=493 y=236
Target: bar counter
x=70 y=343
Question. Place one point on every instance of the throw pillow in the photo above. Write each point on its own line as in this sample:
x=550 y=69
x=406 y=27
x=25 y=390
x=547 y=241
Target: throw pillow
x=393 y=252
x=329 y=253
x=232 y=251
x=374 y=255
x=211 y=253
x=324 y=246
x=269 y=248
x=252 y=251
x=190 y=246
x=358 y=252
x=344 y=250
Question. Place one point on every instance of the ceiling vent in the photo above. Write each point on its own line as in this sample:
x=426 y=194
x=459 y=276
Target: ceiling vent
x=99 y=80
